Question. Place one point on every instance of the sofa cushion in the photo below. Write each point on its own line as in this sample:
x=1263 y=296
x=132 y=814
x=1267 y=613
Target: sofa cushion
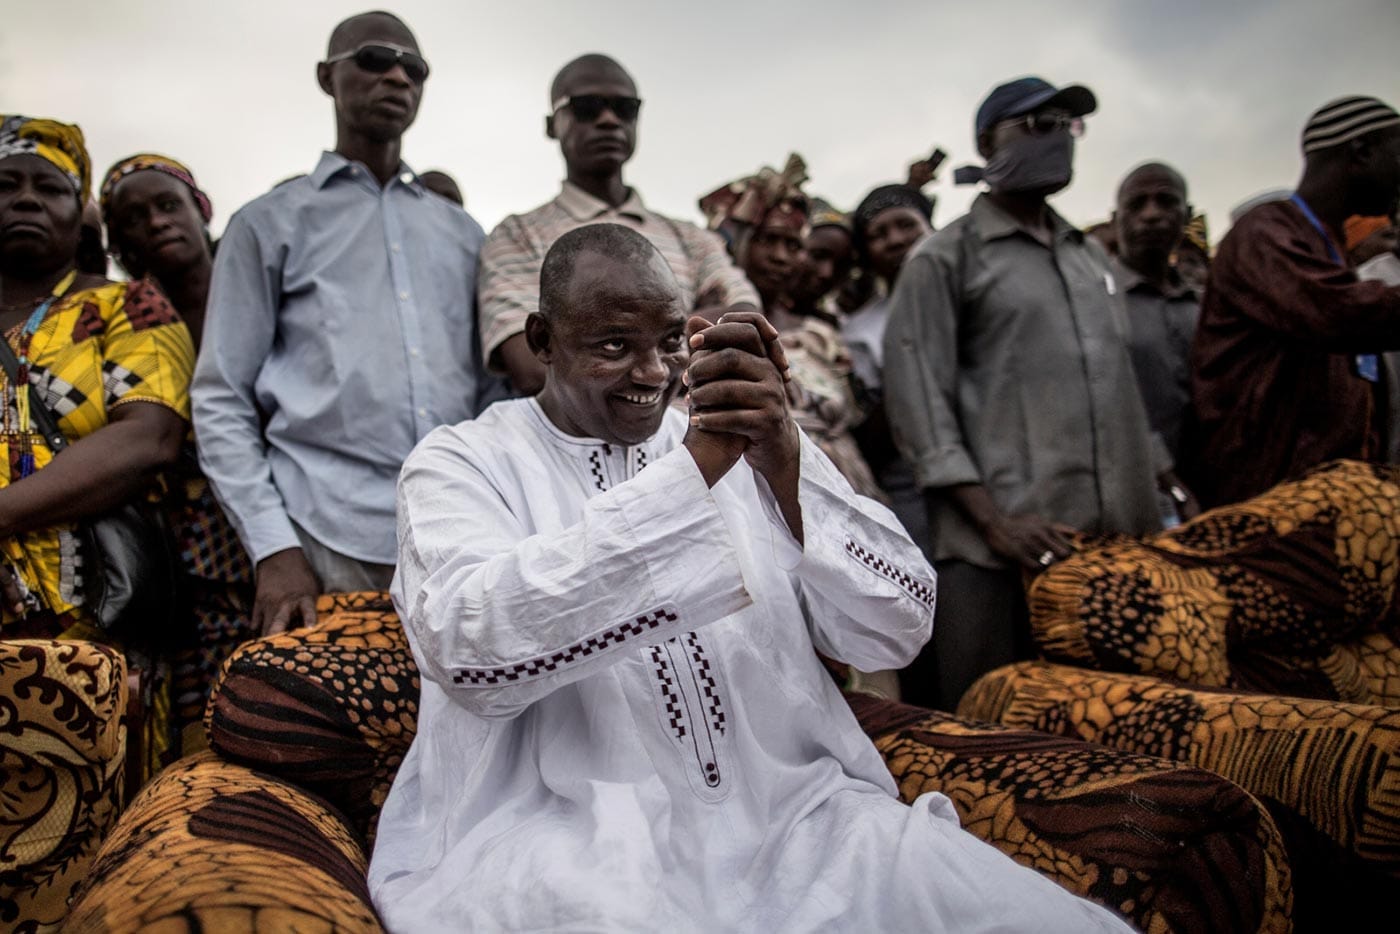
x=62 y=757
x=331 y=708
x=1292 y=592
x=1168 y=846
x=1329 y=772
x=212 y=846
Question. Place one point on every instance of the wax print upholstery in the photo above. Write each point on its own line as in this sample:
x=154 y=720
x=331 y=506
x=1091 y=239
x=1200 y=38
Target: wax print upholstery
x=211 y=846
x=1292 y=592
x=62 y=759
x=1168 y=846
x=331 y=710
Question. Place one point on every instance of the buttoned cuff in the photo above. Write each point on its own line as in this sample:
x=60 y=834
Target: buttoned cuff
x=267 y=533
x=944 y=467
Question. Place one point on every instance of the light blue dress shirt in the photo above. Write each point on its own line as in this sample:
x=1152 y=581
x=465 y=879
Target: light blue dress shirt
x=341 y=329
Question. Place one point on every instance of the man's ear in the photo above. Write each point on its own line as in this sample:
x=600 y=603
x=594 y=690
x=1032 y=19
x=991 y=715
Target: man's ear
x=538 y=337
x=549 y=127
x=323 y=77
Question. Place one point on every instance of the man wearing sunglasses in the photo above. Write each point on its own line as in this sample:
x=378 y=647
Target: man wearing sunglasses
x=1010 y=388
x=340 y=332
x=593 y=115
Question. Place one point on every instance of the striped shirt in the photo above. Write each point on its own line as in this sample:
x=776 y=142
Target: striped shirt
x=509 y=277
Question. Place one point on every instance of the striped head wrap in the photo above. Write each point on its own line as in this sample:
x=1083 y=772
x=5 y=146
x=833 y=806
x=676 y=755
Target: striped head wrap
x=148 y=161
x=59 y=143
x=1346 y=119
x=767 y=199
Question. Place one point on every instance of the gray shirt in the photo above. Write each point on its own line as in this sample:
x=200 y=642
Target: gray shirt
x=1160 y=329
x=1006 y=364
x=340 y=331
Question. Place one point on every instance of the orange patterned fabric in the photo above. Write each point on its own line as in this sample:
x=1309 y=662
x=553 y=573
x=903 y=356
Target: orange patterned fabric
x=210 y=846
x=1293 y=592
x=62 y=755
x=1329 y=771
x=1169 y=847
x=332 y=708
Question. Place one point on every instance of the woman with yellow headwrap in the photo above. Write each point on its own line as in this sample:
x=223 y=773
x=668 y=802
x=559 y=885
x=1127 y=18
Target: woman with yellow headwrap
x=112 y=361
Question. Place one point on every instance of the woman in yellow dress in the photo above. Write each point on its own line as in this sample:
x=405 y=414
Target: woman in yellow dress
x=111 y=360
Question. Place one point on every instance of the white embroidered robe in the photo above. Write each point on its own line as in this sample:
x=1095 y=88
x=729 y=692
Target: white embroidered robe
x=624 y=725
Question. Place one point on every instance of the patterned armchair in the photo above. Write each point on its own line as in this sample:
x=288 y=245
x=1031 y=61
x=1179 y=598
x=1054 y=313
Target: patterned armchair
x=1259 y=642
x=62 y=761
x=270 y=829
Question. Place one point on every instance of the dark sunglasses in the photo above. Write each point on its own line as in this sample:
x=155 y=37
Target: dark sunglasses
x=377 y=58
x=1043 y=124
x=589 y=107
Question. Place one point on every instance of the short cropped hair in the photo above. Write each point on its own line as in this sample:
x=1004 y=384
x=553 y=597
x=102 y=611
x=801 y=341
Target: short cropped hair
x=618 y=243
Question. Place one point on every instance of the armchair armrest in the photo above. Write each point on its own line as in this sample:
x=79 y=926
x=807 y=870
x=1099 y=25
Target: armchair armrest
x=1167 y=846
x=213 y=846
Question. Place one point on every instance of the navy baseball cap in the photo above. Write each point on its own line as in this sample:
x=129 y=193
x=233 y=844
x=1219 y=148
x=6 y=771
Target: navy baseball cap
x=1024 y=95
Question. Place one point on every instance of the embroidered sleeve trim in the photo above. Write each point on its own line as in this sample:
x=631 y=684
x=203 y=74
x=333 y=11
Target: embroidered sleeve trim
x=907 y=582
x=547 y=664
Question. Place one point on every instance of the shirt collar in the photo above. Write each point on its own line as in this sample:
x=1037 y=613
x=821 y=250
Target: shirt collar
x=333 y=164
x=578 y=444
x=582 y=206
x=1130 y=279
x=992 y=223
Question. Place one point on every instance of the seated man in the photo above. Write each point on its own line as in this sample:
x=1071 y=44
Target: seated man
x=624 y=725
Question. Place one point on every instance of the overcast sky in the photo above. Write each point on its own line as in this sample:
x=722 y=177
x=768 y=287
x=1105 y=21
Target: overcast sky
x=859 y=88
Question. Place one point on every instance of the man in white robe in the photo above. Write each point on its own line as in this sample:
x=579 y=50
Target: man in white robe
x=624 y=725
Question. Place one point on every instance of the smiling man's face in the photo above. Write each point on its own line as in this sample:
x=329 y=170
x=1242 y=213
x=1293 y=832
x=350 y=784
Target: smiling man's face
x=615 y=352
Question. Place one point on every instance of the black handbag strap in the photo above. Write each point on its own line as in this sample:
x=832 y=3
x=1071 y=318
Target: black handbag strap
x=42 y=415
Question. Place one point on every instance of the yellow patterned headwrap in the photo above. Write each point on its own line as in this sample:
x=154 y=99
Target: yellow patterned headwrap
x=59 y=143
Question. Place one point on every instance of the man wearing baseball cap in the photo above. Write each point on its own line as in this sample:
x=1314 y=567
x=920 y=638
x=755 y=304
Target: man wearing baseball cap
x=1285 y=373
x=1010 y=390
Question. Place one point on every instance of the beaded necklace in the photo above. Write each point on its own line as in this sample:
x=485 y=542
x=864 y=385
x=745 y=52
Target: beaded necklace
x=22 y=389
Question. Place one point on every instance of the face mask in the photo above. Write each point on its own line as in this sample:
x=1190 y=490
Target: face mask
x=1032 y=163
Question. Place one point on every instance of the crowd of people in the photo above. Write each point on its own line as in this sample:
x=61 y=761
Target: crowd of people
x=973 y=400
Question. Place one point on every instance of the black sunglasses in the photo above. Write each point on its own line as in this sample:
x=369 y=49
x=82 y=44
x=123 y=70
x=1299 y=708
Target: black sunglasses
x=589 y=107
x=1042 y=124
x=377 y=58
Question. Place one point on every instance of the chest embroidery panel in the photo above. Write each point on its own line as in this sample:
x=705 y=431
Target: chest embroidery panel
x=684 y=678
x=693 y=712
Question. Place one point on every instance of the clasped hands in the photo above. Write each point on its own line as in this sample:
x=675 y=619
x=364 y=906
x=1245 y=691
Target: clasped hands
x=737 y=395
